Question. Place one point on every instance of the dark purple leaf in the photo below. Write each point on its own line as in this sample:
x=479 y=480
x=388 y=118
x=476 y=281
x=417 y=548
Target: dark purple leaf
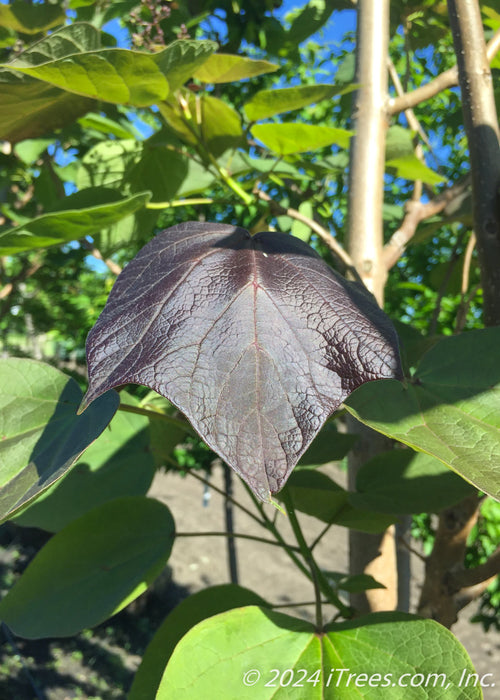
x=255 y=339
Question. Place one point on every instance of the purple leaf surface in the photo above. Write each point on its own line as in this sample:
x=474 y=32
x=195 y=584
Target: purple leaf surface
x=254 y=338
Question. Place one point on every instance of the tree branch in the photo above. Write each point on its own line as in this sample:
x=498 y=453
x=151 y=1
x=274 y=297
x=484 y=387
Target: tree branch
x=479 y=574
x=27 y=270
x=481 y=126
x=443 y=81
x=416 y=212
x=437 y=599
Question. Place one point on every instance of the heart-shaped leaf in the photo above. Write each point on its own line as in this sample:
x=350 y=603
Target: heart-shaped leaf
x=255 y=339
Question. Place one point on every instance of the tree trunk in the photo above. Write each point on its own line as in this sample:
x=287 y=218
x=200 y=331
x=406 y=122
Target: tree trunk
x=374 y=554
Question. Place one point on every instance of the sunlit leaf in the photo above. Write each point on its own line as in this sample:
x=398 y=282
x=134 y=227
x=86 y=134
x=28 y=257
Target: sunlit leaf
x=38 y=406
x=67 y=225
x=298 y=138
x=449 y=409
x=226 y=68
x=274 y=655
x=269 y=103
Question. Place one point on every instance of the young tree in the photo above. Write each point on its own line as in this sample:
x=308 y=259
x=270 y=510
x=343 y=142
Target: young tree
x=233 y=140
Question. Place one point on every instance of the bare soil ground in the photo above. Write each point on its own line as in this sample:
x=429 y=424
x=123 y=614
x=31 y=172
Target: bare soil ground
x=99 y=664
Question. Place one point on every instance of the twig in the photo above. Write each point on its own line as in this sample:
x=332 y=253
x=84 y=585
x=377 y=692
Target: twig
x=445 y=80
x=466 y=299
x=10 y=639
x=412 y=550
x=443 y=286
x=96 y=253
x=412 y=120
x=338 y=251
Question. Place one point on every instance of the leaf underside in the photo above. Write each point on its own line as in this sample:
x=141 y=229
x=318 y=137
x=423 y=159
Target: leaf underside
x=255 y=339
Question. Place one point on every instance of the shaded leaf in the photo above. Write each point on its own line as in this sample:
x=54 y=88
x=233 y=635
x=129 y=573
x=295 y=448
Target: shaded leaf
x=197 y=607
x=91 y=569
x=399 y=142
x=449 y=409
x=416 y=648
x=38 y=407
x=255 y=339
x=119 y=463
x=67 y=225
x=226 y=68
x=105 y=125
x=402 y=481
x=328 y=446
x=269 y=103
x=30 y=108
x=297 y=138
x=314 y=493
x=29 y=18
x=219 y=124
x=311 y=17
x=352 y=584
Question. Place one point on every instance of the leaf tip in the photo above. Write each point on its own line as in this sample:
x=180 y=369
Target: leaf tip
x=83 y=405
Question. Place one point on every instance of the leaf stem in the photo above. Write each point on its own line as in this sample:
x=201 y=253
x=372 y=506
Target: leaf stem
x=240 y=535
x=179 y=203
x=223 y=493
x=306 y=553
x=127 y=408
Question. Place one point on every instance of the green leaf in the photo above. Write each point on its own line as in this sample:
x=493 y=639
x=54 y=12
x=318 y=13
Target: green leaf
x=189 y=612
x=352 y=584
x=227 y=68
x=299 y=229
x=399 y=142
x=119 y=463
x=311 y=17
x=411 y=168
x=219 y=124
x=104 y=125
x=400 y=157
x=30 y=150
x=269 y=103
x=38 y=407
x=328 y=446
x=449 y=409
x=66 y=41
x=67 y=225
x=226 y=654
x=402 y=481
x=181 y=59
x=297 y=138
x=119 y=76
x=30 y=108
x=91 y=569
x=29 y=18
x=314 y=493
